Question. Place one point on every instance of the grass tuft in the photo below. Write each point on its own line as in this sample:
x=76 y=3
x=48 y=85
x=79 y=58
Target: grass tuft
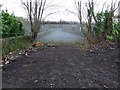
x=10 y=45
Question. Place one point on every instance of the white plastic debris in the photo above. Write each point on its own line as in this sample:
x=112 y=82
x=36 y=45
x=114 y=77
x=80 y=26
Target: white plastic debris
x=11 y=57
x=36 y=81
x=1 y=65
x=20 y=53
x=26 y=54
x=105 y=86
x=90 y=50
x=7 y=62
x=10 y=53
x=6 y=59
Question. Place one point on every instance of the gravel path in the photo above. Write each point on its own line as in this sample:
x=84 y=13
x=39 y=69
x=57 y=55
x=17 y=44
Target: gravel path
x=64 y=67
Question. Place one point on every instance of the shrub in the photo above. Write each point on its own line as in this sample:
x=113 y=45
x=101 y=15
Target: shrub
x=99 y=26
x=106 y=28
x=11 y=26
x=115 y=34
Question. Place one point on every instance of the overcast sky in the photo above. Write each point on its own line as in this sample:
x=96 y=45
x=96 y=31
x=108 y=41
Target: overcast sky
x=16 y=7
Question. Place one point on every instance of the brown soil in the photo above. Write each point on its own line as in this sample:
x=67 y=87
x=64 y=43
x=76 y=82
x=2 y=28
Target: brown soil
x=65 y=67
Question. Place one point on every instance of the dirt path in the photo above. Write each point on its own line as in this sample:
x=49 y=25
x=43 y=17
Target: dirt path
x=64 y=66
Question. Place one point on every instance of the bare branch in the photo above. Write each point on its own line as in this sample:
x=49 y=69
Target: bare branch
x=49 y=15
x=40 y=7
x=35 y=10
x=72 y=12
x=103 y=6
x=43 y=9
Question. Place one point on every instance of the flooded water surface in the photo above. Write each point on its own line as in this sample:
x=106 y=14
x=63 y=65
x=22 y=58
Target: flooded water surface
x=59 y=35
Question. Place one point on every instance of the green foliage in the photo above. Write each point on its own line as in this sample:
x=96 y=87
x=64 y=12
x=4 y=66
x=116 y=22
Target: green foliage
x=13 y=44
x=99 y=26
x=11 y=26
x=106 y=27
x=115 y=34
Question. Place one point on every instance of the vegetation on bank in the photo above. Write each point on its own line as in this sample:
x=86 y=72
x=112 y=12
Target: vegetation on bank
x=12 y=33
x=59 y=22
x=105 y=27
x=15 y=43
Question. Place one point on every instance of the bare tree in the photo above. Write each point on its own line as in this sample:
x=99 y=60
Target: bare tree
x=78 y=14
x=90 y=13
x=35 y=10
x=0 y=6
x=119 y=11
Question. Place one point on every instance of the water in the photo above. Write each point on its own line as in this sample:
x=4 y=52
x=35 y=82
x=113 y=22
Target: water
x=59 y=35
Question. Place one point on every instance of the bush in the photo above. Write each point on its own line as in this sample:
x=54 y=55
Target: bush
x=106 y=28
x=99 y=26
x=115 y=34
x=10 y=25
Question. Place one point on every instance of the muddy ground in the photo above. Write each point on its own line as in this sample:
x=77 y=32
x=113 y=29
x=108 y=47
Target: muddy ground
x=65 y=67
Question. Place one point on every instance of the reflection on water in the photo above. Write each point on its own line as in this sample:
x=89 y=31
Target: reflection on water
x=58 y=35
